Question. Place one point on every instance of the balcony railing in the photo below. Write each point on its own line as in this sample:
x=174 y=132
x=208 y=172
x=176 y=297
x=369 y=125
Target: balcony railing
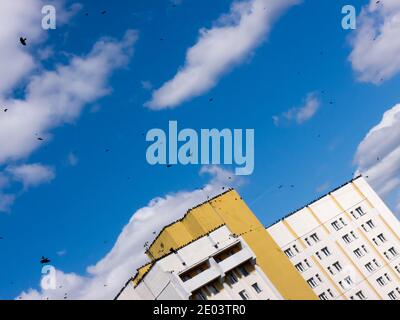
x=201 y=279
x=236 y=259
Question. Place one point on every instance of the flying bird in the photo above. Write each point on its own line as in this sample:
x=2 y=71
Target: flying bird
x=23 y=41
x=44 y=260
x=103 y=12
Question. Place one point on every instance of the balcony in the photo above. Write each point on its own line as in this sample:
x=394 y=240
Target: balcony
x=201 y=279
x=236 y=259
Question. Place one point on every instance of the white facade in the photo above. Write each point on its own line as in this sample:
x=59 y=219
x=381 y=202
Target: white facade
x=216 y=266
x=346 y=245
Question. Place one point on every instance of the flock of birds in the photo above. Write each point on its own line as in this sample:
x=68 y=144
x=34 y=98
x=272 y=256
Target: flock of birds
x=44 y=260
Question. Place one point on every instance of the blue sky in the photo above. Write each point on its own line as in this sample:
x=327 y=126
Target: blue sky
x=76 y=211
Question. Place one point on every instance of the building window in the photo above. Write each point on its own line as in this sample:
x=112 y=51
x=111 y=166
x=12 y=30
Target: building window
x=360 y=211
x=300 y=267
x=387 y=277
x=318 y=255
x=370 y=224
x=307 y=241
x=364 y=248
x=360 y=295
x=256 y=287
x=386 y=255
x=330 y=270
x=336 y=225
x=381 y=281
x=354 y=234
x=295 y=248
x=200 y=296
x=323 y=296
x=397 y=269
x=354 y=215
x=337 y=266
x=315 y=237
x=392 y=295
x=376 y=262
x=307 y=263
x=393 y=251
x=369 y=267
x=358 y=253
x=213 y=289
x=348 y=280
x=382 y=237
x=318 y=277
x=346 y=238
x=289 y=253
x=326 y=251
x=243 y=271
x=232 y=277
x=342 y=221
x=376 y=242
x=312 y=283
x=330 y=293
x=243 y=294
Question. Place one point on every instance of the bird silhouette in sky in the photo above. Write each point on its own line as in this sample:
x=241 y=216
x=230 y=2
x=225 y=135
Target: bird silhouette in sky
x=23 y=41
x=44 y=260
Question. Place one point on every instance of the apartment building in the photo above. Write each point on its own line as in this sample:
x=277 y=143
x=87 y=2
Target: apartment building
x=218 y=250
x=345 y=245
x=217 y=266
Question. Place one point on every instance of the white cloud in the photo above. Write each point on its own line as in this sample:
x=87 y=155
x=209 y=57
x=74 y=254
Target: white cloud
x=6 y=201
x=50 y=98
x=106 y=277
x=31 y=175
x=231 y=39
x=23 y=19
x=323 y=187
x=72 y=159
x=56 y=97
x=4 y=180
x=18 y=19
x=300 y=114
x=378 y=155
x=61 y=253
x=376 y=47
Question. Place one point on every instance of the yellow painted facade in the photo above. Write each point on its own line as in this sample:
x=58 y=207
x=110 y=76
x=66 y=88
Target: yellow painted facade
x=229 y=209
